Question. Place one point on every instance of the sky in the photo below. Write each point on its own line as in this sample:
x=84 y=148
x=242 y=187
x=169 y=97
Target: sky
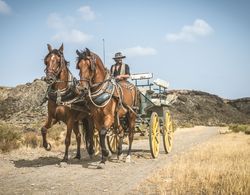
x=193 y=44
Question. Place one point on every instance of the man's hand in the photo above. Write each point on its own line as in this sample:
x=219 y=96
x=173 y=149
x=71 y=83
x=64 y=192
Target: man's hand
x=119 y=77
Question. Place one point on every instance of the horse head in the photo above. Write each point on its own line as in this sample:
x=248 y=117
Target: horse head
x=91 y=69
x=54 y=62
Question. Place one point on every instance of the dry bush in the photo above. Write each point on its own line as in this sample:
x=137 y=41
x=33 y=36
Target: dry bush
x=10 y=137
x=56 y=134
x=240 y=128
x=221 y=166
x=247 y=131
x=31 y=139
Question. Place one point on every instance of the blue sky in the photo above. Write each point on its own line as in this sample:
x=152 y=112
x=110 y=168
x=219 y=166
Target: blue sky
x=195 y=44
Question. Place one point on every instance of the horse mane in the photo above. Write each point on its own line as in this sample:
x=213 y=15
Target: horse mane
x=58 y=53
x=82 y=54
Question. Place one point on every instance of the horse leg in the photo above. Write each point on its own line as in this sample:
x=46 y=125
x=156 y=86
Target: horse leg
x=50 y=122
x=89 y=127
x=131 y=123
x=120 y=142
x=78 y=140
x=105 y=152
x=68 y=139
x=109 y=120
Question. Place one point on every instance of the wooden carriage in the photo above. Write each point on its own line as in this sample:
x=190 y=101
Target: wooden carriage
x=154 y=117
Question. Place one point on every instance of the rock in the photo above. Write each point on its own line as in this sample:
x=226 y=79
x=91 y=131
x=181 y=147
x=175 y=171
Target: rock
x=21 y=106
x=191 y=108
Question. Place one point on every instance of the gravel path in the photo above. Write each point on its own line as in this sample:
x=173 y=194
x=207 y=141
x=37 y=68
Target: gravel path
x=36 y=171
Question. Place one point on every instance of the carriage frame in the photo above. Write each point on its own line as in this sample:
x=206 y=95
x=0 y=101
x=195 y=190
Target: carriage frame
x=154 y=117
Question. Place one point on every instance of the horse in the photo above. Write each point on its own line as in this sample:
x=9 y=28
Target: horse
x=109 y=101
x=63 y=88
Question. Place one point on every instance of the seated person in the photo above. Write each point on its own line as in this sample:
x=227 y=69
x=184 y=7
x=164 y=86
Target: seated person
x=119 y=70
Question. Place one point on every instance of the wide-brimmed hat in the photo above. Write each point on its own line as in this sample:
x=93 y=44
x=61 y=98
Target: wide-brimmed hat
x=119 y=55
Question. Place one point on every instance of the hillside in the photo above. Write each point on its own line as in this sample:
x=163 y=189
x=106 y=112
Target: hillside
x=200 y=108
x=21 y=106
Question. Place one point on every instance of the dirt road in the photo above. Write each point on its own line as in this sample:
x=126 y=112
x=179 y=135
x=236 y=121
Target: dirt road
x=35 y=171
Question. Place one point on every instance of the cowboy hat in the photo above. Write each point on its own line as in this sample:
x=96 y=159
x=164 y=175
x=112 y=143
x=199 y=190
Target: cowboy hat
x=119 y=55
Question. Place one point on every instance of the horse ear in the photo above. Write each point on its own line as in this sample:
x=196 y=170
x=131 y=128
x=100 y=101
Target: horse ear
x=77 y=66
x=87 y=52
x=49 y=47
x=61 y=48
x=78 y=53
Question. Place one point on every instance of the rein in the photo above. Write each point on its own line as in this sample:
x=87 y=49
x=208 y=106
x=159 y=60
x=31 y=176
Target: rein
x=62 y=64
x=101 y=86
x=58 y=95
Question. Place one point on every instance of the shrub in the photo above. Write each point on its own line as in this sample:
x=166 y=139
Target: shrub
x=247 y=130
x=55 y=132
x=239 y=128
x=9 y=137
x=31 y=140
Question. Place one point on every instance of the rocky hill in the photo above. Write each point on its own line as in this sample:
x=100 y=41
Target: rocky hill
x=21 y=106
x=201 y=108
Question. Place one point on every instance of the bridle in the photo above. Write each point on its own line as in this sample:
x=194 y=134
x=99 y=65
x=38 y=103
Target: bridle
x=51 y=75
x=92 y=60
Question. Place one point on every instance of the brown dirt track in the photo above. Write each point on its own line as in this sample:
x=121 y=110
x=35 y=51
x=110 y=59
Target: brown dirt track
x=36 y=171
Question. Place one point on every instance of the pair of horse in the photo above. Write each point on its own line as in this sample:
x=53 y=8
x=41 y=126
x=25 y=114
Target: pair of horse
x=118 y=100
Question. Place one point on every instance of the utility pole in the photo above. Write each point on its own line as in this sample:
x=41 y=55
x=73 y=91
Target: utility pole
x=103 y=44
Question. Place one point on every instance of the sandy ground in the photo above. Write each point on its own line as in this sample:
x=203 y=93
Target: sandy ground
x=36 y=171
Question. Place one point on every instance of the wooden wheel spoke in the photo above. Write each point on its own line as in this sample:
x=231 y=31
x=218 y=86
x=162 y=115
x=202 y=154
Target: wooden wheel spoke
x=168 y=132
x=154 y=135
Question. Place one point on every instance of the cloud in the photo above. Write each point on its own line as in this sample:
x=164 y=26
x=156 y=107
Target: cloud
x=199 y=28
x=56 y=21
x=86 y=13
x=67 y=27
x=4 y=8
x=139 y=51
x=72 y=36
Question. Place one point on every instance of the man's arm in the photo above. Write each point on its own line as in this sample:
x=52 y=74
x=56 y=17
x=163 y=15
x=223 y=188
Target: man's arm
x=112 y=71
x=126 y=75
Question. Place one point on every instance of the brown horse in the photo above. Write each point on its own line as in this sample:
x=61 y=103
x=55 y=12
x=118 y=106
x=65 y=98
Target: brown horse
x=109 y=100
x=62 y=88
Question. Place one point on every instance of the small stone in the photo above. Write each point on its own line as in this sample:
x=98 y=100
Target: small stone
x=63 y=164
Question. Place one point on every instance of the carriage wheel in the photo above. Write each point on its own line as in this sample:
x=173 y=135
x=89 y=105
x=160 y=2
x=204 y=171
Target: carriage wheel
x=96 y=139
x=167 y=132
x=112 y=141
x=154 y=135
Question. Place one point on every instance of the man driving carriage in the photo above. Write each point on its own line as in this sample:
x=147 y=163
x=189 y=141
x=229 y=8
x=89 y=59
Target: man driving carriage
x=119 y=70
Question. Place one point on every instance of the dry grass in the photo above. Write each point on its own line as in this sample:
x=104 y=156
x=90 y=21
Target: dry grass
x=10 y=137
x=240 y=128
x=220 y=166
x=31 y=139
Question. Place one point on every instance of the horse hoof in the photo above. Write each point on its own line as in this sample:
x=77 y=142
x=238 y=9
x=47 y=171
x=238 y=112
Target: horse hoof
x=48 y=147
x=77 y=157
x=64 y=160
x=63 y=164
x=128 y=159
x=101 y=165
x=120 y=157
